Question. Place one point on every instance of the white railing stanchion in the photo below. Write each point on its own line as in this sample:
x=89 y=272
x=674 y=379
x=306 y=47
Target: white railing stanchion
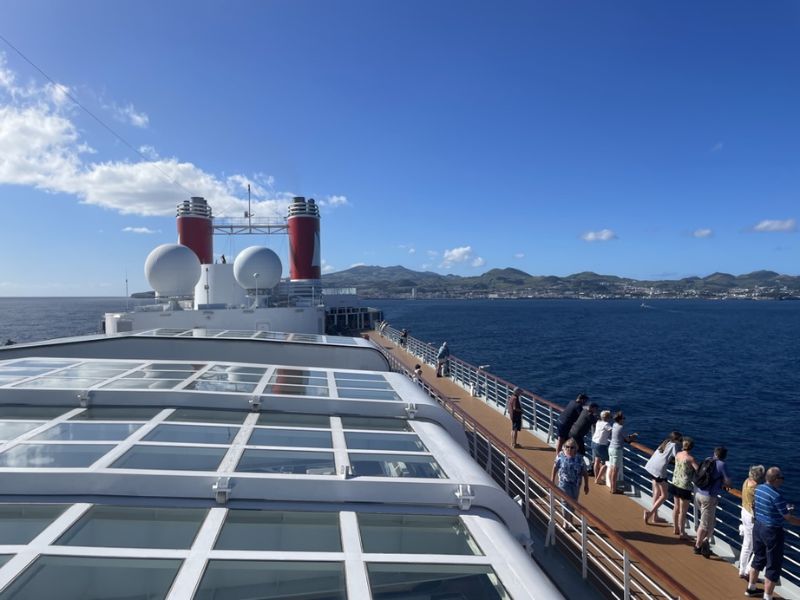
x=505 y=472
x=550 y=538
x=584 y=547
x=527 y=495
x=626 y=574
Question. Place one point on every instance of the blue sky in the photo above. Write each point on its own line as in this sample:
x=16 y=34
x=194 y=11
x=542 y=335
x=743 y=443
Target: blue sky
x=644 y=139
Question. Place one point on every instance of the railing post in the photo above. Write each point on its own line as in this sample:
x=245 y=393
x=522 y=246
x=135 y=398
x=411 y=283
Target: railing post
x=535 y=412
x=505 y=472
x=584 y=547
x=550 y=425
x=550 y=538
x=626 y=574
x=527 y=495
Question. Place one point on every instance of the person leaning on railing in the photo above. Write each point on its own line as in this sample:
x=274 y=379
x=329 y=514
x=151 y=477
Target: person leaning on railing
x=772 y=513
x=754 y=477
x=615 y=449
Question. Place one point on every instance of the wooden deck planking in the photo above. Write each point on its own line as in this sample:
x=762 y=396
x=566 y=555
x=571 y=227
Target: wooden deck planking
x=708 y=579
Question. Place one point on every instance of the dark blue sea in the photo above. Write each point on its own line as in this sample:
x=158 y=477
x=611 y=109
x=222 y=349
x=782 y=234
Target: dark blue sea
x=723 y=372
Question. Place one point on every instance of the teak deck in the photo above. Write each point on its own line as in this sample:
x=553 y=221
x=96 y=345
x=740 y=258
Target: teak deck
x=707 y=579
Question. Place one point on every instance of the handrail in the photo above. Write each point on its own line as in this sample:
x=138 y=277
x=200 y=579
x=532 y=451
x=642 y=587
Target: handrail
x=544 y=481
x=541 y=414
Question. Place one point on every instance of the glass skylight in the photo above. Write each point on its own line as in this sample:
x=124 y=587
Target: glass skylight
x=368 y=394
x=20 y=523
x=32 y=412
x=135 y=527
x=192 y=434
x=208 y=415
x=52 y=455
x=116 y=413
x=390 y=581
x=395 y=465
x=290 y=438
x=286 y=461
x=368 y=440
x=376 y=423
x=294 y=420
x=415 y=534
x=272 y=580
x=170 y=458
x=93 y=578
x=280 y=531
x=88 y=432
x=11 y=429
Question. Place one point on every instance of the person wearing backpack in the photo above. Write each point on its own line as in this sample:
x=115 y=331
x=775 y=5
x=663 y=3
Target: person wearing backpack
x=709 y=481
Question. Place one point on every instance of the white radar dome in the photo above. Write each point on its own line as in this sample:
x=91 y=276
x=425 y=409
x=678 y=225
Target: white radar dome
x=257 y=267
x=172 y=270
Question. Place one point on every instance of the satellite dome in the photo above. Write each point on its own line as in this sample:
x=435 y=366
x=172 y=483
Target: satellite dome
x=257 y=267
x=172 y=270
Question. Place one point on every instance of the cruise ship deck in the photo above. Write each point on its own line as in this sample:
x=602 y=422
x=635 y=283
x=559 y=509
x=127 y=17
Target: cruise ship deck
x=667 y=566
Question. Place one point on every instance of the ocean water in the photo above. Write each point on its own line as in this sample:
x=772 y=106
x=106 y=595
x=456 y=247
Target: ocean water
x=723 y=372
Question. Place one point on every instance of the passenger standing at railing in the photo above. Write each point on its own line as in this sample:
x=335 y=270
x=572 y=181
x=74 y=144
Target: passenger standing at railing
x=403 y=338
x=583 y=425
x=442 y=358
x=707 y=497
x=418 y=374
x=754 y=477
x=681 y=486
x=600 y=441
x=772 y=513
x=656 y=467
x=567 y=419
x=514 y=408
x=618 y=437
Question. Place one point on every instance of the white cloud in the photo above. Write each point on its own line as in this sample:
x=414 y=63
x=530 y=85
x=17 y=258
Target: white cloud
x=128 y=114
x=432 y=253
x=478 y=262
x=519 y=255
x=358 y=265
x=326 y=268
x=604 y=235
x=412 y=250
x=703 y=233
x=717 y=147
x=40 y=146
x=770 y=225
x=144 y=230
x=149 y=152
x=334 y=201
x=459 y=255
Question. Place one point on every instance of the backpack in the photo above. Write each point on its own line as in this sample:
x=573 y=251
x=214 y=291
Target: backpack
x=706 y=474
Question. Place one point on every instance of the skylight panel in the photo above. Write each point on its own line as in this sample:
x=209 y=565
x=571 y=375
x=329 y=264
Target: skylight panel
x=378 y=423
x=170 y=458
x=415 y=534
x=395 y=465
x=271 y=335
x=286 y=462
x=272 y=580
x=80 y=383
x=34 y=456
x=208 y=415
x=359 y=376
x=82 y=577
x=32 y=412
x=192 y=434
x=133 y=383
x=135 y=527
x=116 y=413
x=383 y=395
x=20 y=523
x=374 y=440
x=294 y=420
x=290 y=438
x=261 y=530
x=389 y=581
x=296 y=390
x=13 y=429
x=87 y=432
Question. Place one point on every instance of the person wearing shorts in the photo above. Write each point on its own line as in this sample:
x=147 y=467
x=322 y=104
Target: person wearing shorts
x=707 y=499
x=618 y=437
x=600 y=440
x=514 y=407
x=772 y=513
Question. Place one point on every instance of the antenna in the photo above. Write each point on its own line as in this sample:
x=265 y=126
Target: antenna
x=127 y=295
x=249 y=212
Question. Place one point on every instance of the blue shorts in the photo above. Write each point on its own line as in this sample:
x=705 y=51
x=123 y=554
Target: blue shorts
x=768 y=550
x=600 y=451
x=570 y=489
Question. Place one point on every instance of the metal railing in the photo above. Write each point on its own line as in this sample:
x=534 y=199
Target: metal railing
x=535 y=488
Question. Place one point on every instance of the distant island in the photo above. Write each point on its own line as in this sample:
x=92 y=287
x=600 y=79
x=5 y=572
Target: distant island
x=400 y=282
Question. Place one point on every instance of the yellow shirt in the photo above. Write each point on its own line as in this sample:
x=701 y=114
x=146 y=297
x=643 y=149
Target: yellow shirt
x=748 y=495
